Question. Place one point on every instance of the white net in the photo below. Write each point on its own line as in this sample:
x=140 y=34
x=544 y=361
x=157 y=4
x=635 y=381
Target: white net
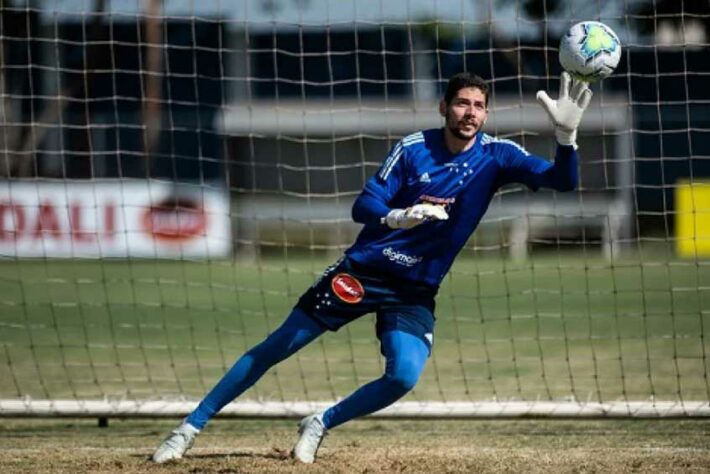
x=176 y=174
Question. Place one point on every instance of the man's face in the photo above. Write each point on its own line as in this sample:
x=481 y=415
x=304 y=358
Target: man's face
x=466 y=113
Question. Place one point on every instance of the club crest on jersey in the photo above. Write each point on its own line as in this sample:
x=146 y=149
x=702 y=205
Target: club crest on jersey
x=347 y=288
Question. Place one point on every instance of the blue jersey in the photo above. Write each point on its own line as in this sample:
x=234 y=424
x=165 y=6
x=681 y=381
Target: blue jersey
x=420 y=169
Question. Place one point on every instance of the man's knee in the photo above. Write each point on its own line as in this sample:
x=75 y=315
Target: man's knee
x=404 y=375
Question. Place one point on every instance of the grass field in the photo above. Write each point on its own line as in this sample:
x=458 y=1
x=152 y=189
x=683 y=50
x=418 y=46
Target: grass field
x=563 y=327
x=366 y=446
x=558 y=328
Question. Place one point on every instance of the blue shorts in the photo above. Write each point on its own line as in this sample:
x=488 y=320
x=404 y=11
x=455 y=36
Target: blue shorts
x=348 y=290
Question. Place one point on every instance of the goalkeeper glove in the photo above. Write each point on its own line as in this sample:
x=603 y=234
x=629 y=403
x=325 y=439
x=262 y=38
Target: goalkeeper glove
x=415 y=215
x=566 y=112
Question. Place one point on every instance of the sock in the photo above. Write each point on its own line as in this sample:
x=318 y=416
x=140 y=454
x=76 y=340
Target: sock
x=189 y=426
x=297 y=331
x=406 y=356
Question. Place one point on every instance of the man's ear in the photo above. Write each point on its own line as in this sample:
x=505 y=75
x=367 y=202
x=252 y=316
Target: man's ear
x=442 y=108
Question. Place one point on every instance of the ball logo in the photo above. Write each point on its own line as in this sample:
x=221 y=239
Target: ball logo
x=175 y=220
x=347 y=288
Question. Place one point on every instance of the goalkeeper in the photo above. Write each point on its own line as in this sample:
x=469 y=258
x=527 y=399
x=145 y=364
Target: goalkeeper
x=418 y=211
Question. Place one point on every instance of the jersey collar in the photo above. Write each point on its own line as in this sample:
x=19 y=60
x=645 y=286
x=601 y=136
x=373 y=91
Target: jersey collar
x=452 y=157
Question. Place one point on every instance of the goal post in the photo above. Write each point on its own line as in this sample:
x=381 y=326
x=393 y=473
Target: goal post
x=403 y=409
x=176 y=174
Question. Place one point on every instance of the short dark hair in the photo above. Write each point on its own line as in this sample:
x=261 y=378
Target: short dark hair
x=461 y=81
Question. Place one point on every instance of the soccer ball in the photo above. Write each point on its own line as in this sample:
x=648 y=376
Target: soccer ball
x=590 y=51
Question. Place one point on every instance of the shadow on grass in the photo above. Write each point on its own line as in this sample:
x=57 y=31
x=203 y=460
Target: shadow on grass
x=274 y=455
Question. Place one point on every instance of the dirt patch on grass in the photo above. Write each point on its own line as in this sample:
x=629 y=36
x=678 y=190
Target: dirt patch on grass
x=368 y=446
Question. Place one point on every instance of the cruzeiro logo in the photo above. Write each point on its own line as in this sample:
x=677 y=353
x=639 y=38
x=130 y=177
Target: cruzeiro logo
x=401 y=258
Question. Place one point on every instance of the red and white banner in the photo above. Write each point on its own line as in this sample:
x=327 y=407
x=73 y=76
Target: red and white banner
x=128 y=218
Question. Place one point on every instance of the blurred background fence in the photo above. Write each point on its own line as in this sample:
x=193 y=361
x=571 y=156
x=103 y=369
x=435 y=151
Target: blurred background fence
x=305 y=97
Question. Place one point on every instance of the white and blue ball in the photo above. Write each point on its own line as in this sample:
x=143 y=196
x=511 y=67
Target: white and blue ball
x=590 y=51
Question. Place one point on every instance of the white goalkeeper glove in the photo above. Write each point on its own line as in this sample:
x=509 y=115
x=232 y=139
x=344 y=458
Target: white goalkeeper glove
x=415 y=215
x=566 y=112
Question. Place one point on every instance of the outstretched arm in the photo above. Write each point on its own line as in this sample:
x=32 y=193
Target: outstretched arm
x=536 y=172
x=562 y=174
x=565 y=113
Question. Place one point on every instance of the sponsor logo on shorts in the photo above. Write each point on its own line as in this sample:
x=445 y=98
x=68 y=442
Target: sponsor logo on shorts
x=347 y=288
x=327 y=271
x=401 y=258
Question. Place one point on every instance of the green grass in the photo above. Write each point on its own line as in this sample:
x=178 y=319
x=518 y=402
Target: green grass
x=553 y=327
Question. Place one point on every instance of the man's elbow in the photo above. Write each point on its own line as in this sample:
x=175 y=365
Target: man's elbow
x=356 y=212
x=564 y=187
x=558 y=183
x=566 y=181
x=359 y=211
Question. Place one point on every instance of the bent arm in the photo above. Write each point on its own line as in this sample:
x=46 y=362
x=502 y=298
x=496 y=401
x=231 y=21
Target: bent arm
x=536 y=172
x=371 y=205
x=562 y=175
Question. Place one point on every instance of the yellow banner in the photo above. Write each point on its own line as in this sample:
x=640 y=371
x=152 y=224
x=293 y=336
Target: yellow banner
x=692 y=220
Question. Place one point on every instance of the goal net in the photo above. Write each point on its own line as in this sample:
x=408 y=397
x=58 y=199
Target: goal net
x=176 y=174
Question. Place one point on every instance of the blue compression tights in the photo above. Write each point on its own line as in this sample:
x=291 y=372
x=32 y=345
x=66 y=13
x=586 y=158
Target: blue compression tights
x=405 y=356
x=297 y=331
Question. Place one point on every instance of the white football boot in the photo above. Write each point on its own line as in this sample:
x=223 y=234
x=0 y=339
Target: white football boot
x=312 y=432
x=175 y=445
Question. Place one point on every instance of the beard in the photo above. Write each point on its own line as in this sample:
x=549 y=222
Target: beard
x=455 y=131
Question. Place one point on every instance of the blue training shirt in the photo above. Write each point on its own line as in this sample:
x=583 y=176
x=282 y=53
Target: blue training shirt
x=420 y=169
